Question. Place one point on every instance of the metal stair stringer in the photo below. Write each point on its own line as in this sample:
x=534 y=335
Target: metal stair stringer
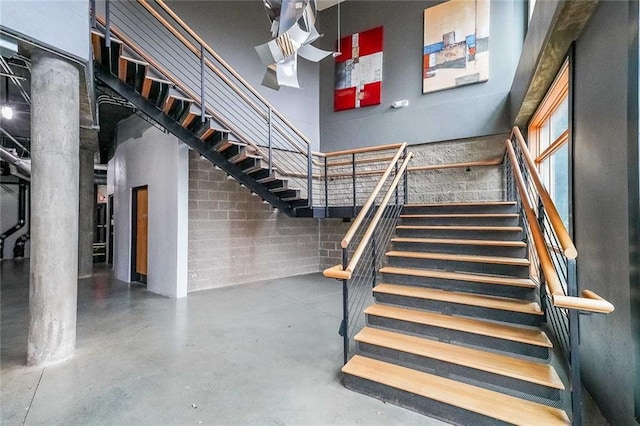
x=207 y=151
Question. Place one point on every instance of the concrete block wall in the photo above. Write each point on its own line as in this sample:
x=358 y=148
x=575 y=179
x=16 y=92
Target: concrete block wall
x=235 y=238
x=331 y=233
x=458 y=185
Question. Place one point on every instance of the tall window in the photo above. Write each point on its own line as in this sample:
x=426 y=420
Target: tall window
x=548 y=137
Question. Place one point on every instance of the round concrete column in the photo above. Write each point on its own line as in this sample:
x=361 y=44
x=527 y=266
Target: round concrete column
x=53 y=281
x=87 y=213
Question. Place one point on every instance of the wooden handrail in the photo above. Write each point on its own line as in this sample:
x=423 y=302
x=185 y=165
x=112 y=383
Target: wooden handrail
x=367 y=205
x=363 y=150
x=374 y=222
x=538 y=239
x=589 y=301
x=228 y=67
x=568 y=248
x=359 y=161
x=495 y=162
x=133 y=46
x=337 y=271
x=196 y=51
x=362 y=173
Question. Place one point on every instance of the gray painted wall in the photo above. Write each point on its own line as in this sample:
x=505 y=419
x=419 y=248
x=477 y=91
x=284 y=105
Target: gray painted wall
x=147 y=156
x=471 y=111
x=604 y=133
x=233 y=29
x=601 y=179
x=41 y=21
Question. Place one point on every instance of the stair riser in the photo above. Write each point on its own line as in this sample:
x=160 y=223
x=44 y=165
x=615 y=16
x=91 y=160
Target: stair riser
x=460 y=234
x=519 y=252
x=447 y=265
x=472 y=376
x=411 y=401
x=135 y=76
x=459 y=209
x=158 y=94
x=177 y=109
x=533 y=352
x=232 y=151
x=461 y=221
x=449 y=308
x=523 y=293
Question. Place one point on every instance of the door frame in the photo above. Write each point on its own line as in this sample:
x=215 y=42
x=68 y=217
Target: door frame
x=135 y=276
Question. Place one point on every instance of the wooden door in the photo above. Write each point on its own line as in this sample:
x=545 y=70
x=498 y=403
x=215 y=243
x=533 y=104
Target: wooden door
x=141 y=231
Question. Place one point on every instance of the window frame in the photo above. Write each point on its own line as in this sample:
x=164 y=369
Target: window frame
x=555 y=96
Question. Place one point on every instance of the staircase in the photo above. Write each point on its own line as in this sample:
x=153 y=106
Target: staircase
x=237 y=130
x=455 y=330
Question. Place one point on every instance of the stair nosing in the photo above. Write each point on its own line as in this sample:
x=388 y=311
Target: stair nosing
x=466 y=325
x=461 y=228
x=466 y=357
x=472 y=258
x=460 y=241
x=504 y=407
x=467 y=299
x=460 y=276
x=460 y=215
x=470 y=203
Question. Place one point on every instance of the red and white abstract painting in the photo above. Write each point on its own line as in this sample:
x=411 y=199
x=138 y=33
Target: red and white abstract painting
x=358 y=80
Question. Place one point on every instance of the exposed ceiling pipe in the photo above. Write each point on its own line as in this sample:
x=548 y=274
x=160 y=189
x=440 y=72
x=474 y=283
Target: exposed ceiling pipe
x=12 y=139
x=19 y=163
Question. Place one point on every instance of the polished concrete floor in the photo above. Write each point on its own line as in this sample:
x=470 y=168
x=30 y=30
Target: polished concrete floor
x=266 y=353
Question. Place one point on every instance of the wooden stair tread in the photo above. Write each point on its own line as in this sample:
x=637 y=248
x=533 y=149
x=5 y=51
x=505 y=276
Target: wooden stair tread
x=460 y=228
x=454 y=241
x=469 y=299
x=515 y=261
x=530 y=336
x=460 y=276
x=134 y=60
x=529 y=371
x=473 y=203
x=459 y=215
x=102 y=35
x=472 y=398
x=158 y=78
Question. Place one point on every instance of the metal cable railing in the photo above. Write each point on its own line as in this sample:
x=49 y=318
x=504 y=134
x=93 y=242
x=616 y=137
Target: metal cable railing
x=363 y=246
x=550 y=249
x=346 y=179
x=194 y=67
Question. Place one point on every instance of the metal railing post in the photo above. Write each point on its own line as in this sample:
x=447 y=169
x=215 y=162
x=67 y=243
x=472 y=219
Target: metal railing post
x=310 y=176
x=326 y=189
x=344 y=327
x=107 y=28
x=270 y=139
x=92 y=4
x=203 y=106
x=406 y=180
x=373 y=259
x=574 y=347
x=395 y=173
x=353 y=181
